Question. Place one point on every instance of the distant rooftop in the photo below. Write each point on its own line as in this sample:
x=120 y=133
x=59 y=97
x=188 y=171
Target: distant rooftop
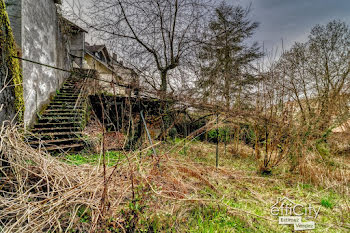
x=94 y=48
x=73 y=26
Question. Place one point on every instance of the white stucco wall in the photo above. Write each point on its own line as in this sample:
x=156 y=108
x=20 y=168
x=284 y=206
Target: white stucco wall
x=40 y=43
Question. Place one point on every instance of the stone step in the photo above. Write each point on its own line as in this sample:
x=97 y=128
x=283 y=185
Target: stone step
x=63 y=95
x=69 y=89
x=57 y=125
x=64 y=114
x=65 y=141
x=54 y=135
x=72 y=84
x=54 y=130
x=73 y=81
x=64 y=110
x=64 y=102
x=64 y=98
x=65 y=148
x=58 y=119
x=64 y=107
x=70 y=92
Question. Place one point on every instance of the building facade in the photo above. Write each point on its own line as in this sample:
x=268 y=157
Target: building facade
x=114 y=78
x=39 y=32
x=50 y=47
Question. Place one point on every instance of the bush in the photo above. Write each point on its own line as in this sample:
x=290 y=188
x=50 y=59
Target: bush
x=222 y=134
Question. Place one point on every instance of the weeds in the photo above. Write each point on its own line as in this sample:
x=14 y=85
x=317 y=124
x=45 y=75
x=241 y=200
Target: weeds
x=171 y=193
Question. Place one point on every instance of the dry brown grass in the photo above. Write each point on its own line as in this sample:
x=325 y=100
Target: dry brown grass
x=313 y=169
x=41 y=193
x=94 y=131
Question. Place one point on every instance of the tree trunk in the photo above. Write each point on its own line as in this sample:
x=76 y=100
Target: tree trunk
x=164 y=105
x=164 y=84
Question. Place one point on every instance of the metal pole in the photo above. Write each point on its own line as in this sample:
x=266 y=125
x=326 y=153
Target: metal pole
x=217 y=140
x=148 y=135
x=185 y=133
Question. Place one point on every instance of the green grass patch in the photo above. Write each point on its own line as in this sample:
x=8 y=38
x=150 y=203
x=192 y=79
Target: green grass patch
x=327 y=203
x=215 y=219
x=112 y=157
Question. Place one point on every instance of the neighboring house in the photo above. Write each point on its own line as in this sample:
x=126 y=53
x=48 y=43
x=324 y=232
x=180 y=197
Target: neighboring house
x=128 y=75
x=110 y=70
x=41 y=34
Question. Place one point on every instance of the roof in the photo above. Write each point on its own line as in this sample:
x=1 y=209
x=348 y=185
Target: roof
x=94 y=48
x=72 y=25
x=115 y=62
x=99 y=48
x=91 y=54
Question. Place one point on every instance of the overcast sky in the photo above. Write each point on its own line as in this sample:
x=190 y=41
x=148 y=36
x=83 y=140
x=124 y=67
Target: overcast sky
x=292 y=20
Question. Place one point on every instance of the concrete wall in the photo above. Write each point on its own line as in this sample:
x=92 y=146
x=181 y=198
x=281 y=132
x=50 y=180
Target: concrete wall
x=40 y=42
x=77 y=43
x=42 y=37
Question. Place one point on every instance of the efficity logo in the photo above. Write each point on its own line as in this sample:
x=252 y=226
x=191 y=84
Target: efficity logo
x=290 y=213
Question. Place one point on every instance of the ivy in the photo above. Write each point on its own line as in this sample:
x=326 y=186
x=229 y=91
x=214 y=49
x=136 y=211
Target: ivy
x=9 y=50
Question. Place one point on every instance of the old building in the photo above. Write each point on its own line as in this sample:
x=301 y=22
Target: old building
x=50 y=47
x=42 y=36
x=110 y=70
x=128 y=75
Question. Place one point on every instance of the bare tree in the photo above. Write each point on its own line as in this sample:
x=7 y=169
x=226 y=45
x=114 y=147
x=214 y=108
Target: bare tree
x=316 y=74
x=155 y=35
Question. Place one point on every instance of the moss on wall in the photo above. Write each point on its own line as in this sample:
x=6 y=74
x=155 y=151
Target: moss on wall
x=8 y=50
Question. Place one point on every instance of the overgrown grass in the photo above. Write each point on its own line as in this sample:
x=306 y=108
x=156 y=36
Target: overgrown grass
x=255 y=194
x=242 y=200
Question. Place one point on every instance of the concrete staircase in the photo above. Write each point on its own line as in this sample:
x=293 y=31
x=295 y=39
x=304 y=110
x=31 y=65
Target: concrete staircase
x=59 y=128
